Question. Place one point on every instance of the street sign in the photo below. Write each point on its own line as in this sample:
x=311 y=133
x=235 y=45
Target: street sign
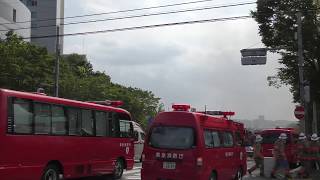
x=254 y=60
x=255 y=56
x=299 y=112
x=254 y=52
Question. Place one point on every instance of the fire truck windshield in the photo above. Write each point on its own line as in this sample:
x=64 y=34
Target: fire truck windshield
x=270 y=138
x=170 y=137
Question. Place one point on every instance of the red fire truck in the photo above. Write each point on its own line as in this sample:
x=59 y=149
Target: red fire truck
x=49 y=138
x=271 y=135
x=194 y=146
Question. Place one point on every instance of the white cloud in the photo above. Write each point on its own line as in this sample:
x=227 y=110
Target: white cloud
x=197 y=64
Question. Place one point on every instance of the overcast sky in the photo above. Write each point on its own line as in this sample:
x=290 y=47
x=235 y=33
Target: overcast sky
x=197 y=64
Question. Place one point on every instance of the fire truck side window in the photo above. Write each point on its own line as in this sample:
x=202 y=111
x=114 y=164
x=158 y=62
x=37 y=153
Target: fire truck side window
x=238 y=139
x=211 y=139
x=227 y=139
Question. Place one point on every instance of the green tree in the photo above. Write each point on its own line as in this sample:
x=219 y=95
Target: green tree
x=79 y=81
x=277 y=22
x=277 y=25
x=24 y=66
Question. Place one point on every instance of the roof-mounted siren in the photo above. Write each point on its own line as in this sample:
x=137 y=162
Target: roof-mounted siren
x=225 y=114
x=181 y=107
x=108 y=103
x=40 y=91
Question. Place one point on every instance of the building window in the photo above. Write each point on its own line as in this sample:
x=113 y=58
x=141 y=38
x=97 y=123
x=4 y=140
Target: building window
x=14 y=15
x=28 y=2
x=34 y=15
x=34 y=3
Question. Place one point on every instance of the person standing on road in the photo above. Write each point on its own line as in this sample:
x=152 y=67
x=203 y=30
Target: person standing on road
x=281 y=162
x=257 y=155
x=313 y=151
x=302 y=156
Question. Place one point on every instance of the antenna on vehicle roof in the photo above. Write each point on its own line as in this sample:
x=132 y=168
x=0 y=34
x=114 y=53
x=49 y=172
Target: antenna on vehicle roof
x=205 y=109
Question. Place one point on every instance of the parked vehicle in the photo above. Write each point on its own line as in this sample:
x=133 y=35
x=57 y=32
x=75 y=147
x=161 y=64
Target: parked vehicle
x=50 y=138
x=194 y=146
x=139 y=136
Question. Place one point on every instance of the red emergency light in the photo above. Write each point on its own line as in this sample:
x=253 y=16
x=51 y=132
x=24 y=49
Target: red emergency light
x=228 y=113
x=108 y=103
x=181 y=107
x=219 y=113
x=116 y=103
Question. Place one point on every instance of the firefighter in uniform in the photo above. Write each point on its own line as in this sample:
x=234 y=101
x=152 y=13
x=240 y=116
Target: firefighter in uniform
x=257 y=155
x=281 y=162
x=302 y=156
x=313 y=151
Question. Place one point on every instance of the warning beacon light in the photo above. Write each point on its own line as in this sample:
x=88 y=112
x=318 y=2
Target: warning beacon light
x=108 y=103
x=220 y=113
x=181 y=107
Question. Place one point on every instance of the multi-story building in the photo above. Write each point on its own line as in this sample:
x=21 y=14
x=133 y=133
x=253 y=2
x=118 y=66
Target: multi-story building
x=15 y=16
x=46 y=19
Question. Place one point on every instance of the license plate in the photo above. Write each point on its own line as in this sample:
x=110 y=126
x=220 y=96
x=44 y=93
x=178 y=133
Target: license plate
x=169 y=165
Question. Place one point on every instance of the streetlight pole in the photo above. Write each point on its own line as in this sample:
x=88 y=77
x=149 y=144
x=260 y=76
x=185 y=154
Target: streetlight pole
x=303 y=100
x=57 y=64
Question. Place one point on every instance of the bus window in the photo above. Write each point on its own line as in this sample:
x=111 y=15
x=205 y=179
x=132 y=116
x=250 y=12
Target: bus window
x=42 y=118
x=142 y=136
x=101 y=123
x=136 y=135
x=22 y=116
x=109 y=124
x=227 y=139
x=125 y=128
x=74 y=121
x=59 y=120
x=86 y=123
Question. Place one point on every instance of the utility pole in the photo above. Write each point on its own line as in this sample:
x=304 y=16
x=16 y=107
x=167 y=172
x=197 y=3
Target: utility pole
x=303 y=101
x=57 y=64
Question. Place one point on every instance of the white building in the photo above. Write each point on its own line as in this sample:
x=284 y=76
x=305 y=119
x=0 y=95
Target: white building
x=49 y=13
x=15 y=16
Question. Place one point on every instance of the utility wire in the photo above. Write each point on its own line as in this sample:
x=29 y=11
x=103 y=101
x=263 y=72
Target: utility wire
x=142 y=15
x=144 y=27
x=154 y=26
x=114 y=12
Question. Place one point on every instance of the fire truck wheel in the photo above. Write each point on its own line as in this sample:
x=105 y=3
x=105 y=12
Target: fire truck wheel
x=213 y=176
x=238 y=175
x=51 y=173
x=118 y=169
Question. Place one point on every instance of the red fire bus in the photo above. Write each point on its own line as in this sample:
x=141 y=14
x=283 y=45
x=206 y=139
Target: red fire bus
x=194 y=146
x=49 y=138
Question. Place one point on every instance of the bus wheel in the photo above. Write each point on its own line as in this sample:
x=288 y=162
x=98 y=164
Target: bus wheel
x=213 y=176
x=238 y=175
x=118 y=169
x=51 y=172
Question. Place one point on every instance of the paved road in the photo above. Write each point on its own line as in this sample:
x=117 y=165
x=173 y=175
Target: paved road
x=134 y=174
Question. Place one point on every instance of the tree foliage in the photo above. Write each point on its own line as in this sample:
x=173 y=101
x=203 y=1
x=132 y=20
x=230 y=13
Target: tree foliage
x=26 y=67
x=278 y=25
